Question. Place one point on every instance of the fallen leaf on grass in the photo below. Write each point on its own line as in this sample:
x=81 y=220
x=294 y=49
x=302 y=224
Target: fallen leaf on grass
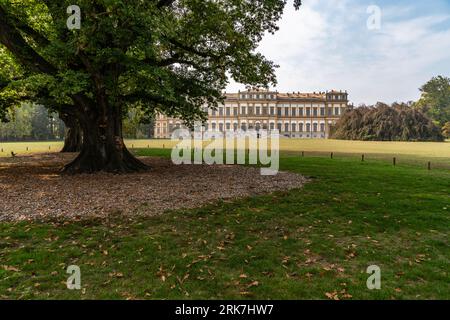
x=332 y=295
x=10 y=268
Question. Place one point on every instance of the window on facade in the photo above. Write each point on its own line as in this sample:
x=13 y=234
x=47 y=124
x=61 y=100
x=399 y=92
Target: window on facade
x=228 y=126
x=294 y=112
x=308 y=112
x=221 y=111
x=294 y=127
x=214 y=112
x=235 y=111
x=243 y=126
x=258 y=126
x=206 y=127
x=214 y=126
x=300 y=127
x=308 y=127
x=272 y=111
x=286 y=111
x=322 y=127
x=300 y=112
x=250 y=110
x=315 y=112
x=243 y=110
x=221 y=127
x=315 y=127
x=272 y=126
x=336 y=111
x=228 y=112
x=264 y=111
x=258 y=111
x=322 y=111
x=279 y=127
x=235 y=126
x=279 y=111
x=286 y=127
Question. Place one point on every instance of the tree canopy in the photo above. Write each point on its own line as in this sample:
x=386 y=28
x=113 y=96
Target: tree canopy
x=435 y=99
x=169 y=56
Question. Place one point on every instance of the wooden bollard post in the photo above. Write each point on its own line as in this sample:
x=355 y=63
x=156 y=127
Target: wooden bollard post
x=49 y=147
x=27 y=148
x=429 y=165
x=303 y=154
x=394 y=161
x=362 y=158
x=331 y=155
x=164 y=146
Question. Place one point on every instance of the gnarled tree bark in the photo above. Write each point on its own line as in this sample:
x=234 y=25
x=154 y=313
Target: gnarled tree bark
x=103 y=148
x=73 y=137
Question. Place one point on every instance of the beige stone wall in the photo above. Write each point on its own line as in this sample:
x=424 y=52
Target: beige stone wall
x=299 y=115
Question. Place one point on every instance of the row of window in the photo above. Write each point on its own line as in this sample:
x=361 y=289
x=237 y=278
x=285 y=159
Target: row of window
x=262 y=96
x=264 y=111
x=257 y=96
x=294 y=127
x=337 y=97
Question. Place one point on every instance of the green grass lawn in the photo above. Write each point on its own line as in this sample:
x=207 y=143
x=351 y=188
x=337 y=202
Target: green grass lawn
x=302 y=244
x=417 y=153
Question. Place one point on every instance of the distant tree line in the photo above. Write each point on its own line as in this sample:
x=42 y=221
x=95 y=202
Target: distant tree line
x=428 y=119
x=33 y=122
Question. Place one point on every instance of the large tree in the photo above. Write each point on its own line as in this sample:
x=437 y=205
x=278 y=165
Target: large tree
x=435 y=99
x=169 y=56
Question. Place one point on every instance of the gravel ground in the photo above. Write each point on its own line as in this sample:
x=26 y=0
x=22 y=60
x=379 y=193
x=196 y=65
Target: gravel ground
x=31 y=188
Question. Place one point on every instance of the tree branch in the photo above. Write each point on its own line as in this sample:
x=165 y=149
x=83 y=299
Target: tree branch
x=11 y=38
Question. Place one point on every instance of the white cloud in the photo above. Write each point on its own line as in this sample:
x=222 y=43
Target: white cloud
x=326 y=45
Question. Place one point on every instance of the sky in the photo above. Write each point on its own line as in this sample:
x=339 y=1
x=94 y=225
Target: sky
x=327 y=44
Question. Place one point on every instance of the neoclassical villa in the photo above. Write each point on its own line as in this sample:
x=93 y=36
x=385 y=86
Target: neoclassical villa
x=296 y=115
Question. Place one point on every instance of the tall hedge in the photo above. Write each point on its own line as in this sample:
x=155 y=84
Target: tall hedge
x=398 y=122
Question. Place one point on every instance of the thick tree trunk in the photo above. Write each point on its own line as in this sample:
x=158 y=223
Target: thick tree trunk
x=73 y=136
x=103 y=148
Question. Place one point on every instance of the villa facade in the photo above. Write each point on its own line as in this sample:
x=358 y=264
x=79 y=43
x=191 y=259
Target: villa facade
x=295 y=115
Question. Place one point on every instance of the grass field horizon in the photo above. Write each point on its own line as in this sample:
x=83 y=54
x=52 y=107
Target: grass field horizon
x=415 y=153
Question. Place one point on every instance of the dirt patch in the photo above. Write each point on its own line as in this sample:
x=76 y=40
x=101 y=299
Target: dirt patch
x=32 y=188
